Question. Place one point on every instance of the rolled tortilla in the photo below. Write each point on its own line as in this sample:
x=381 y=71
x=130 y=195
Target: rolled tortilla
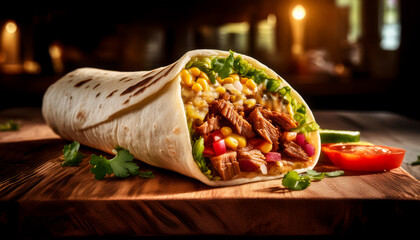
x=142 y=112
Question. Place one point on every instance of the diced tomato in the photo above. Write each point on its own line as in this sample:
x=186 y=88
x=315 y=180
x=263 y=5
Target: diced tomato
x=272 y=157
x=364 y=157
x=217 y=135
x=219 y=147
x=208 y=150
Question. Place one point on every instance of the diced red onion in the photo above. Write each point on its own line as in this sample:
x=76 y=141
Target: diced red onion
x=309 y=149
x=272 y=157
x=263 y=169
x=300 y=140
x=238 y=85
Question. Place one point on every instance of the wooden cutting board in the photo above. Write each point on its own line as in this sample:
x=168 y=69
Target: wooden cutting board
x=40 y=198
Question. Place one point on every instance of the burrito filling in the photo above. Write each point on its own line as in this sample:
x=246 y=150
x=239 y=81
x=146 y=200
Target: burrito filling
x=242 y=122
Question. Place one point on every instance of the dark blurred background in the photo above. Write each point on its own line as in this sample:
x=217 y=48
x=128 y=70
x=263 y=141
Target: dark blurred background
x=338 y=54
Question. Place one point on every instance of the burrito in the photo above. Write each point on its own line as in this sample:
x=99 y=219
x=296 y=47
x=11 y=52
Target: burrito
x=219 y=117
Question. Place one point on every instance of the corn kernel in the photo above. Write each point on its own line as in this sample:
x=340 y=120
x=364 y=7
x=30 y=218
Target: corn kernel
x=244 y=79
x=235 y=77
x=266 y=147
x=250 y=102
x=220 y=89
x=251 y=84
x=195 y=71
x=232 y=98
x=187 y=78
x=241 y=140
x=203 y=75
x=226 y=131
x=228 y=80
x=220 y=80
x=197 y=87
x=203 y=83
x=231 y=142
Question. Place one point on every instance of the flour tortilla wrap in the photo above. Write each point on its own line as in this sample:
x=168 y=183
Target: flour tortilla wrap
x=142 y=112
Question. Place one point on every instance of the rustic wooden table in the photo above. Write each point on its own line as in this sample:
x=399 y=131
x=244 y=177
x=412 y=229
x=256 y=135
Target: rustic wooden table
x=40 y=198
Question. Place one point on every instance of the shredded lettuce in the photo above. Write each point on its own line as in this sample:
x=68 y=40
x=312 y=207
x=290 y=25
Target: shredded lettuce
x=223 y=67
x=197 y=151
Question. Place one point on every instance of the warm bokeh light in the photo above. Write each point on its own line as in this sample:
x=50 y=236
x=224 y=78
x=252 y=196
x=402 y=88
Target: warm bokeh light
x=55 y=51
x=11 y=27
x=298 y=12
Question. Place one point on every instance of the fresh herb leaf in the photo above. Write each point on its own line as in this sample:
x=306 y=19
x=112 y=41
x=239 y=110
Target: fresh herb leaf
x=146 y=174
x=121 y=165
x=314 y=175
x=294 y=181
x=9 y=126
x=416 y=162
x=72 y=156
x=101 y=166
x=334 y=173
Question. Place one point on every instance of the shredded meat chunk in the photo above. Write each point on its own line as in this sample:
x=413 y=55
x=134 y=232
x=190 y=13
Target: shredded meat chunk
x=226 y=165
x=295 y=151
x=251 y=160
x=281 y=119
x=227 y=110
x=267 y=130
x=212 y=124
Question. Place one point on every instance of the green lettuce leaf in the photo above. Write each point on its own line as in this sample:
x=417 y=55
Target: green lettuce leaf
x=197 y=151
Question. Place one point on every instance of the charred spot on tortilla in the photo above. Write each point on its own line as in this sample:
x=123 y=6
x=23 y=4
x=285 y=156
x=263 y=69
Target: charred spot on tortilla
x=81 y=115
x=97 y=85
x=135 y=86
x=79 y=84
x=112 y=93
x=176 y=131
x=87 y=86
x=97 y=95
x=143 y=83
x=126 y=101
x=122 y=79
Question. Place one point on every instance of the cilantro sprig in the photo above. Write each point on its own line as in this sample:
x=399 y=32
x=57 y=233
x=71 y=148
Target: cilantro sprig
x=121 y=165
x=415 y=163
x=9 y=125
x=297 y=182
x=72 y=156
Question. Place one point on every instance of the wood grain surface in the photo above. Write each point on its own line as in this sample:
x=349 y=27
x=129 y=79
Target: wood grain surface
x=40 y=198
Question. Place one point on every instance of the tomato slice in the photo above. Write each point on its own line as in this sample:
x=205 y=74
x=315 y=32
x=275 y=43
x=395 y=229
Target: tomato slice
x=364 y=157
